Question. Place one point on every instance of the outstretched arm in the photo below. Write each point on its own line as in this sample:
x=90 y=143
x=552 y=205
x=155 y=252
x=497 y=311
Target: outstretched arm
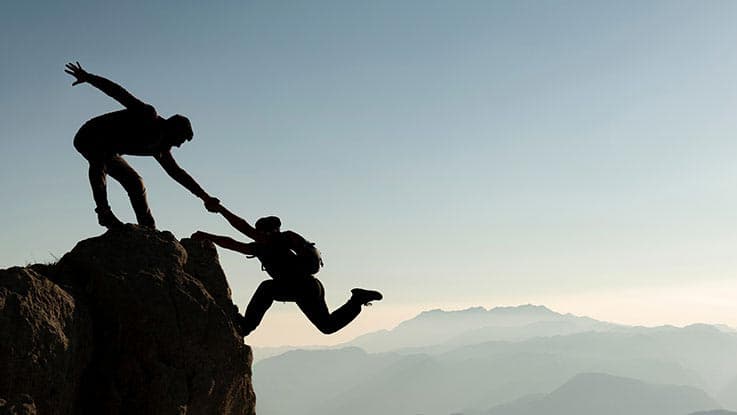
x=177 y=173
x=107 y=86
x=237 y=222
x=225 y=242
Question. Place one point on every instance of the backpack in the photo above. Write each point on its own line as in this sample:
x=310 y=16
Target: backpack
x=291 y=256
x=308 y=258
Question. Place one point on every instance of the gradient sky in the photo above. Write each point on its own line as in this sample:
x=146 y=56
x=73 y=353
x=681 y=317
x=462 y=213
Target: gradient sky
x=577 y=154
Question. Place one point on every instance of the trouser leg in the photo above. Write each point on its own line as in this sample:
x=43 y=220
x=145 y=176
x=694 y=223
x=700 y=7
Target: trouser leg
x=97 y=175
x=312 y=303
x=98 y=183
x=259 y=304
x=133 y=185
x=83 y=143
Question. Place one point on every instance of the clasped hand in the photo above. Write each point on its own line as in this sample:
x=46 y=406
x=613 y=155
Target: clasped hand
x=212 y=204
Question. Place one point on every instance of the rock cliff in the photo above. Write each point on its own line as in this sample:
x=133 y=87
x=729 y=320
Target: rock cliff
x=130 y=322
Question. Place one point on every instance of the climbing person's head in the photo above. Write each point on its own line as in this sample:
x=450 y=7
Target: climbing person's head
x=178 y=130
x=268 y=224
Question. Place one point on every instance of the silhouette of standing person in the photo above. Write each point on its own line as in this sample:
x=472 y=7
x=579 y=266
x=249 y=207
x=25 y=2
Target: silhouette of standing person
x=291 y=262
x=137 y=130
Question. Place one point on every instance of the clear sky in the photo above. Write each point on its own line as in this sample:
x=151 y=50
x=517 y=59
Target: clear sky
x=577 y=154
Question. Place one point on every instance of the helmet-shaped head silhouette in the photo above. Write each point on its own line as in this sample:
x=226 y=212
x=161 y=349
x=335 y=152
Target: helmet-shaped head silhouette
x=268 y=224
x=178 y=129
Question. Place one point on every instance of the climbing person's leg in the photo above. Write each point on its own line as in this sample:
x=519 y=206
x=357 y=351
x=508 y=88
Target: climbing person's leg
x=312 y=303
x=133 y=185
x=259 y=304
x=365 y=297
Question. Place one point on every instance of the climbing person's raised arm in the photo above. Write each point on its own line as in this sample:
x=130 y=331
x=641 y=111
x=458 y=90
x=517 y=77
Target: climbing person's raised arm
x=225 y=242
x=107 y=86
x=238 y=222
x=170 y=166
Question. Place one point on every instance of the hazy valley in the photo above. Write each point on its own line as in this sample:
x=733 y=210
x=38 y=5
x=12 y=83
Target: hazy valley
x=504 y=361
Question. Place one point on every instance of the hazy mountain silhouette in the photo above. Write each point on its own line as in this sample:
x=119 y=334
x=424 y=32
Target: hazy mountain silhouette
x=714 y=412
x=725 y=328
x=601 y=394
x=262 y=353
x=475 y=325
x=441 y=379
x=701 y=347
x=728 y=395
x=299 y=381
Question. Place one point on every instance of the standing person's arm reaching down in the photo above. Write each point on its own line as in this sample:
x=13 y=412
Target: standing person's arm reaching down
x=170 y=166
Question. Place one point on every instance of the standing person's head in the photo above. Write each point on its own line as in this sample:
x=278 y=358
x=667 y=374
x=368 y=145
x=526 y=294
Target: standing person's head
x=177 y=130
x=268 y=224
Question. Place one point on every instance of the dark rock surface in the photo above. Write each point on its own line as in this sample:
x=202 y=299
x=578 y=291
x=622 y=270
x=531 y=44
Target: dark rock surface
x=130 y=322
x=22 y=405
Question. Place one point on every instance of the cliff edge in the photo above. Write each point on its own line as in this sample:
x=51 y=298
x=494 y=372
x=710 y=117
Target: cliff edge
x=129 y=322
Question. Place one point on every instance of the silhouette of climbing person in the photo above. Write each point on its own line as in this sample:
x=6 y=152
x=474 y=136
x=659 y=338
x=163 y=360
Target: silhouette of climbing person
x=291 y=262
x=137 y=130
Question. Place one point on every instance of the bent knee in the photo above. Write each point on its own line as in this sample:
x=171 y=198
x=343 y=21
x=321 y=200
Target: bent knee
x=266 y=287
x=328 y=330
x=326 y=326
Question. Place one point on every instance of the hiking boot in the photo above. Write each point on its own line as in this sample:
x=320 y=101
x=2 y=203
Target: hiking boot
x=106 y=218
x=365 y=297
x=147 y=221
x=143 y=213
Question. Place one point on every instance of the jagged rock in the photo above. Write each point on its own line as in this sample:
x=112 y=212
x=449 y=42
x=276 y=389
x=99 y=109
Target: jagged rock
x=133 y=323
x=45 y=341
x=23 y=405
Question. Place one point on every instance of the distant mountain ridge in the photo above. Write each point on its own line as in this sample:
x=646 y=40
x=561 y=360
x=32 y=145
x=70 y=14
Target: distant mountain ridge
x=477 y=324
x=445 y=330
x=602 y=394
x=478 y=359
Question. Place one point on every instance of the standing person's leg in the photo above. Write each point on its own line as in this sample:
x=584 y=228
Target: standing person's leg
x=97 y=175
x=311 y=301
x=133 y=185
x=98 y=182
x=86 y=144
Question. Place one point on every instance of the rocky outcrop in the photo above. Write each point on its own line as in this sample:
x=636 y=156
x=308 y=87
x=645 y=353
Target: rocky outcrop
x=130 y=322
